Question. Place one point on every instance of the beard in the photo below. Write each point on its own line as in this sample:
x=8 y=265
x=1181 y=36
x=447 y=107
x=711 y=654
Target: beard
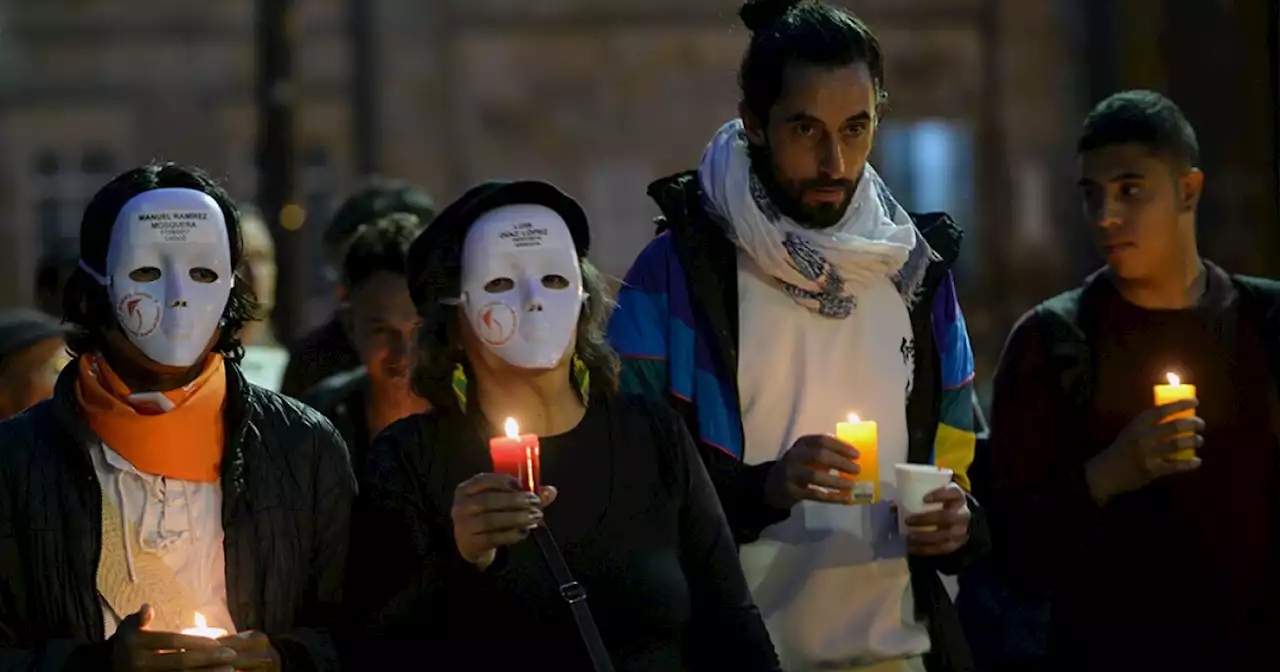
x=813 y=216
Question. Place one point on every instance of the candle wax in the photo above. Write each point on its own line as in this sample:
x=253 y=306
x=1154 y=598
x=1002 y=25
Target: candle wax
x=1167 y=394
x=864 y=436
x=518 y=457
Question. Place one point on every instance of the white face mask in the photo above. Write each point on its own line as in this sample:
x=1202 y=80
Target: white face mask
x=169 y=273
x=521 y=284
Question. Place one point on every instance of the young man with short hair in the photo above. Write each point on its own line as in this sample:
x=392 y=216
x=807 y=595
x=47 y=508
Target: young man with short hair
x=1153 y=534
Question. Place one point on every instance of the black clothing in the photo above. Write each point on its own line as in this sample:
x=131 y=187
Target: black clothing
x=1189 y=553
x=318 y=355
x=343 y=398
x=638 y=523
x=710 y=261
x=287 y=489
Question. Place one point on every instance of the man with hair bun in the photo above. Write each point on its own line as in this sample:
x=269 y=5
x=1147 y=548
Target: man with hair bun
x=788 y=289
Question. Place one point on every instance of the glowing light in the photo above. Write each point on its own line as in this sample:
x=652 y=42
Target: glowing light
x=292 y=217
x=513 y=429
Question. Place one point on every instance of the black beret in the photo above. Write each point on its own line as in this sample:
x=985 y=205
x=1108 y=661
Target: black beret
x=436 y=254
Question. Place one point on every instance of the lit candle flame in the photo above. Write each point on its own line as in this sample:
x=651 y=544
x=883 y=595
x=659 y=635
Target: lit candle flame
x=513 y=429
x=853 y=418
x=200 y=622
x=1174 y=380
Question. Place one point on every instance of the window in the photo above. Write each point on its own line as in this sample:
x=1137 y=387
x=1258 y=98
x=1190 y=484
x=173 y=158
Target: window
x=929 y=165
x=63 y=189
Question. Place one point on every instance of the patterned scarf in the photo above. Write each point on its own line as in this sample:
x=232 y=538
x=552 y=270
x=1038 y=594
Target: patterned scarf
x=824 y=270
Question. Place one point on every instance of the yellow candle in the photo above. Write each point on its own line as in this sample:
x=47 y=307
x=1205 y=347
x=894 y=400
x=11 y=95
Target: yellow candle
x=202 y=629
x=862 y=435
x=1176 y=391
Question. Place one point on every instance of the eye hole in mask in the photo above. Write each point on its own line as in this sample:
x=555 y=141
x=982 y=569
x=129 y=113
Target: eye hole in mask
x=555 y=282
x=145 y=274
x=500 y=285
x=205 y=276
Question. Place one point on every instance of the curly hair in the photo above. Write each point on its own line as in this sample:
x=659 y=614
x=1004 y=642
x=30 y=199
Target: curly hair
x=382 y=245
x=85 y=302
x=378 y=197
x=440 y=348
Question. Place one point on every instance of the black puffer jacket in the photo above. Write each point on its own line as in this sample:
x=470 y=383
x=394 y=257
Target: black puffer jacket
x=287 y=489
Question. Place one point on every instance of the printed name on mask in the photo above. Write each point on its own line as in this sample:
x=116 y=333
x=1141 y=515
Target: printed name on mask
x=524 y=235
x=177 y=226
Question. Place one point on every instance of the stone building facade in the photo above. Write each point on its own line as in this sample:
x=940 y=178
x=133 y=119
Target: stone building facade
x=599 y=96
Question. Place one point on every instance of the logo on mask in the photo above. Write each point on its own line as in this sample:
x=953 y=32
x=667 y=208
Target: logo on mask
x=496 y=323
x=138 y=314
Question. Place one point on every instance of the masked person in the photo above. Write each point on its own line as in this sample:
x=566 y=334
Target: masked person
x=383 y=326
x=513 y=318
x=328 y=350
x=157 y=487
x=1134 y=520
x=787 y=291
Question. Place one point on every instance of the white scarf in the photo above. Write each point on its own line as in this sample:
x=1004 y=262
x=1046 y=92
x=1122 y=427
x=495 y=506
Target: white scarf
x=826 y=269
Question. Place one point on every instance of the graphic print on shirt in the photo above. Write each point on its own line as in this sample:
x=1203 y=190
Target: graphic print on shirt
x=908 y=350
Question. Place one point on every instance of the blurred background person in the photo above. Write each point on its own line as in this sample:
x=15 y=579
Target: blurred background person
x=382 y=324
x=264 y=358
x=32 y=352
x=328 y=349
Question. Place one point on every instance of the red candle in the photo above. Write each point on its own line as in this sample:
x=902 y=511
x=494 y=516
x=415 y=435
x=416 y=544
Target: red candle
x=517 y=455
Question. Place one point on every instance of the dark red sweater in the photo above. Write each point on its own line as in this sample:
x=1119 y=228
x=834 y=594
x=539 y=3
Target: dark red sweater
x=1173 y=576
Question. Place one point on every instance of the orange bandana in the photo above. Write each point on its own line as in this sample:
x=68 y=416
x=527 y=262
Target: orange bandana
x=176 y=434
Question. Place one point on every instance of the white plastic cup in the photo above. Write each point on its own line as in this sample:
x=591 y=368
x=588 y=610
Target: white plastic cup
x=914 y=482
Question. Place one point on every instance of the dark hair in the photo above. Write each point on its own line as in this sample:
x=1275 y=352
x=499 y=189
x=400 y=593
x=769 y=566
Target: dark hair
x=85 y=302
x=1143 y=118
x=376 y=198
x=440 y=348
x=808 y=31
x=382 y=245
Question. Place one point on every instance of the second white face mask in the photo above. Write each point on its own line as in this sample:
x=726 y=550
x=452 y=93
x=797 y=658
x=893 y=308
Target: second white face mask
x=521 y=284
x=169 y=274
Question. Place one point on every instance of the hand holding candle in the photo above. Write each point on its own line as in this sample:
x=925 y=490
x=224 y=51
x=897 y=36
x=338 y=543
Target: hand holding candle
x=501 y=508
x=1176 y=391
x=202 y=629
x=817 y=467
x=1159 y=442
x=135 y=646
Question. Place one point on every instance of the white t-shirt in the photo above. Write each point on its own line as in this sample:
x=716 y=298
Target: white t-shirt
x=831 y=581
